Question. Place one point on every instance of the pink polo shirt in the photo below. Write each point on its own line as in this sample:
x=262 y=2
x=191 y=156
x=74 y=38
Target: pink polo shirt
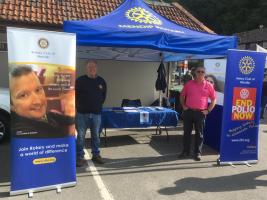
x=197 y=94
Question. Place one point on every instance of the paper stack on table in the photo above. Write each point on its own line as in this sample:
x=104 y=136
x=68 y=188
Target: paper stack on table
x=130 y=109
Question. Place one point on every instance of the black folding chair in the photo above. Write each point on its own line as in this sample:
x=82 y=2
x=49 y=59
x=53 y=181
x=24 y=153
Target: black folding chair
x=131 y=103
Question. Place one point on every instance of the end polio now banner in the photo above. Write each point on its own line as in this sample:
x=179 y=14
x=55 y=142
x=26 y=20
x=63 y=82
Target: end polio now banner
x=241 y=113
x=42 y=102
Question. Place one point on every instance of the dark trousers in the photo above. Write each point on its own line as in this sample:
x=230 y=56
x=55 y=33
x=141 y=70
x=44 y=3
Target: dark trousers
x=194 y=119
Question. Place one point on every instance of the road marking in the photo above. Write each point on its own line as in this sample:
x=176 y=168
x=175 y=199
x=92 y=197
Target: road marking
x=104 y=192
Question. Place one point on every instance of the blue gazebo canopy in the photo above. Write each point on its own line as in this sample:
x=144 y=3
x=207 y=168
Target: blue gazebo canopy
x=134 y=31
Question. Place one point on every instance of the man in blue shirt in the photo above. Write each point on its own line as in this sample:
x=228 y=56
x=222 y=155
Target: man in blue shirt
x=91 y=92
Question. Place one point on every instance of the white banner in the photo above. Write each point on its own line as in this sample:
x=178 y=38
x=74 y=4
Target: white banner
x=42 y=82
x=27 y=45
x=261 y=49
x=215 y=73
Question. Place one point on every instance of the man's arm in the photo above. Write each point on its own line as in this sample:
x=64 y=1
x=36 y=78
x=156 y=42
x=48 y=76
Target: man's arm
x=182 y=101
x=182 y=97
x=213 y=99
x=104 y=90
x=210 y=107
x=77 y=91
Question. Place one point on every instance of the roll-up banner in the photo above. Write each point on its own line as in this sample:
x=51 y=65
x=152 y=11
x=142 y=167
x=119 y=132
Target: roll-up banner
x=215 y=74
x=41 y=82
x=241 y=113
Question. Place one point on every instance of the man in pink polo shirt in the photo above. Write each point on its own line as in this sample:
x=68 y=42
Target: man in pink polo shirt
x=194 y=100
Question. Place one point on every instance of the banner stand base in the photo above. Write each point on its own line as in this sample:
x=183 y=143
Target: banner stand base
x=233 y=163
x=30 y=195
x=30 y=192
x=59 y=189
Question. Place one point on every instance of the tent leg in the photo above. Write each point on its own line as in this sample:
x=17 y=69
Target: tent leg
x=160 y=99
x=167 y=133
x=157 y=129
x=218 y=161
x=105 y=135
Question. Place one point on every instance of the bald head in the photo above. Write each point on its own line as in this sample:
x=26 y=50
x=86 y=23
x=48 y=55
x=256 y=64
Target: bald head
x=91 y=68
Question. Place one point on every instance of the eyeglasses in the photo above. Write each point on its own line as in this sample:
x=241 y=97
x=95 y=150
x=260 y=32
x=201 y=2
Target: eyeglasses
x=202 y=72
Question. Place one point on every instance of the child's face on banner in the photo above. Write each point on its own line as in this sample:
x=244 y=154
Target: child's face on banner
x=28 y=97
x=209 y=79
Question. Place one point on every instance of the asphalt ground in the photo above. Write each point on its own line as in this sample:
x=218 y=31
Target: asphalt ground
x=140 y=165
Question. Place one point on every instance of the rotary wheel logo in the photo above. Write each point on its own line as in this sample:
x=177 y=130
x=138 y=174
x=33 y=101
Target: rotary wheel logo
x=43 y=43
x=244 y=93
x=217 y=66
x=141 y=15
x=246 y=65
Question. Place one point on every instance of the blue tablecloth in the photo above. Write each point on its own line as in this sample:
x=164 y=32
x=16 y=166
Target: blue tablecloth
x=117 y=117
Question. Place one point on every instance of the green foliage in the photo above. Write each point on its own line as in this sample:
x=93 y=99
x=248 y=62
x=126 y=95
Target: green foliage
x=228 y=16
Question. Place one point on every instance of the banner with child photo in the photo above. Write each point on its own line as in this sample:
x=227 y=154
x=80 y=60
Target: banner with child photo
x=215 y=74
x=42 y=102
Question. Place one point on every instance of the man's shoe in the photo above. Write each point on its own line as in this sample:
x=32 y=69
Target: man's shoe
x=98 y=159
x=197 y=157
x=184 y=155
x=81 y=162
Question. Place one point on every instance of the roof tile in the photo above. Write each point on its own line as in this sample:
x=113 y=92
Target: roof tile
x=56 y=11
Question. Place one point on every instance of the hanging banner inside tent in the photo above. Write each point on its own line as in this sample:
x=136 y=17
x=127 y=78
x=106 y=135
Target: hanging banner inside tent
x=261 y=49
x=241 y=114
x=41 y=82
x=215 y=74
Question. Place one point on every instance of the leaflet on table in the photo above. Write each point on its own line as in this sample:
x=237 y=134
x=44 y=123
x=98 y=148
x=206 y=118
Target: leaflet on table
x=117 y=110
x=144 y=117
x=159 y=108
x=129 y=108
x=151 y=108
x=131 y=111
